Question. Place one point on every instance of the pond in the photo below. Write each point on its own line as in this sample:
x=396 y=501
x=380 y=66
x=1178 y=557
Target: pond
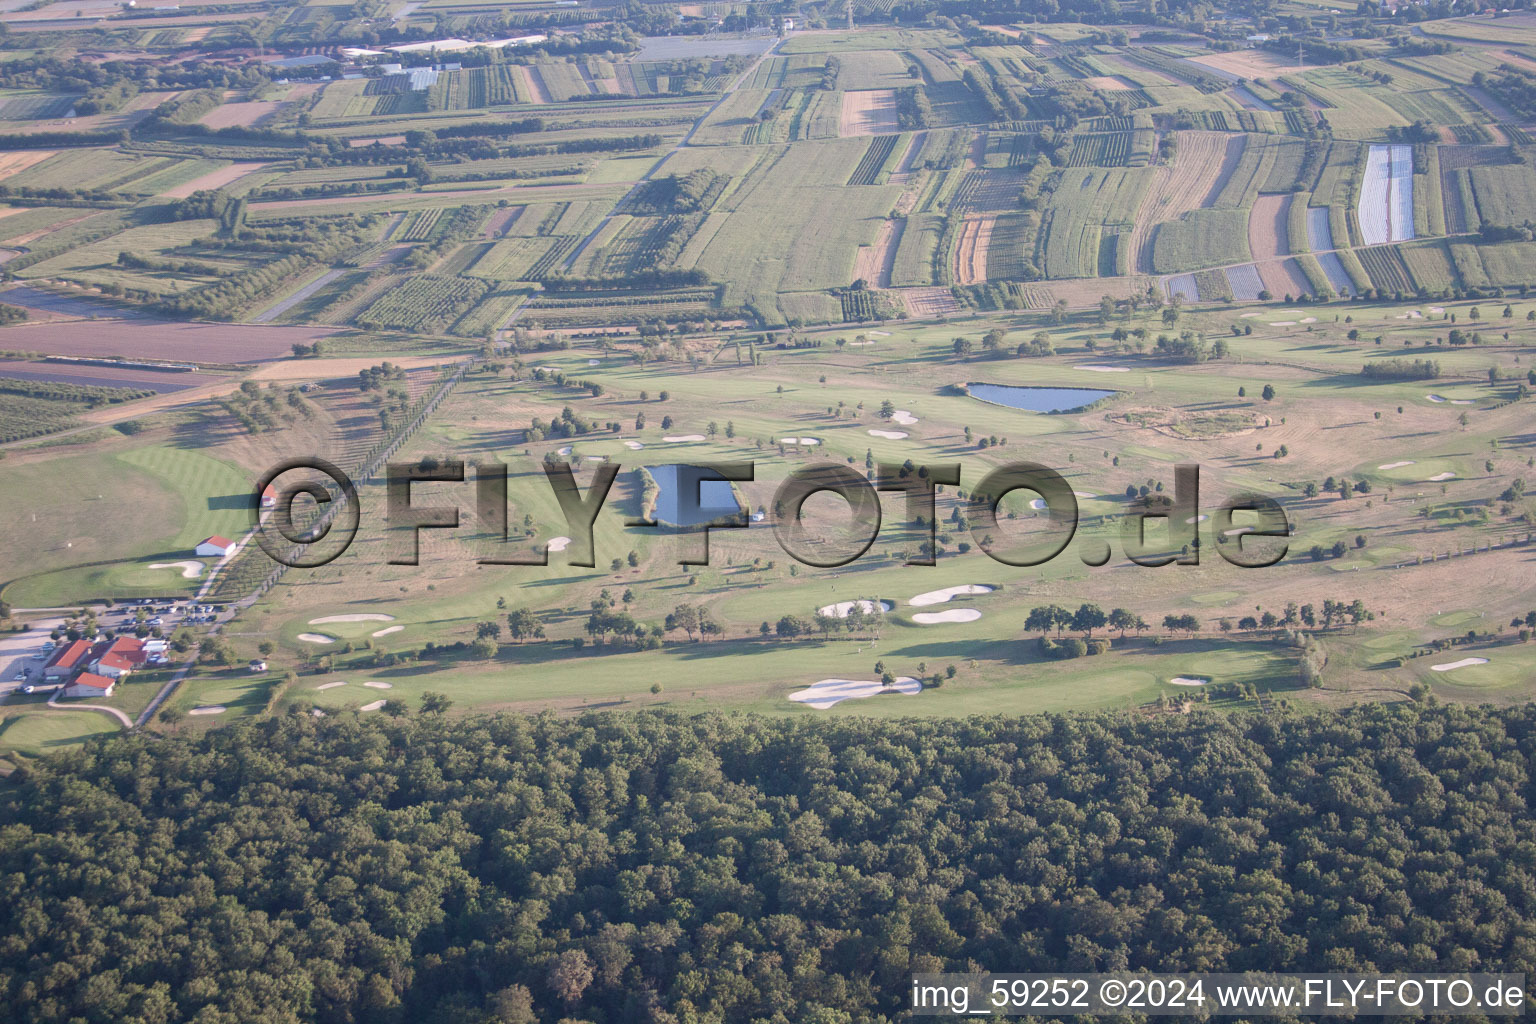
x=1034 y=399
x=691 y=495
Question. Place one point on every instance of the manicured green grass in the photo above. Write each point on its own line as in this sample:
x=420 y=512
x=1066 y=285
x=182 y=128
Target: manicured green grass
x=40 y=732
x=162 y=499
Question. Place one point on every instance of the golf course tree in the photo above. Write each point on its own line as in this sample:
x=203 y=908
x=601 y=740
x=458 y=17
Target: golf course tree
x=1189 y=624
x=1125 y=620
x=1088 y=618
x=684 y=617
x=523 y=625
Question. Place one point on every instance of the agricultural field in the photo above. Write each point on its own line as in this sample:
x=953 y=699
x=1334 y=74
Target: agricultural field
x=720 y=218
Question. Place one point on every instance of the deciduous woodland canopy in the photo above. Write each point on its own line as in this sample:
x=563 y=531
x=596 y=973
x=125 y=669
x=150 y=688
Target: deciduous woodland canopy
x=654 y=867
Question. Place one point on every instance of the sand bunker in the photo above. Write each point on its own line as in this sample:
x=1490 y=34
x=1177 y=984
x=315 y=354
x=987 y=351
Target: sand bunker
x=379 y=686
x=1190 y=681
x=822 y=695
x=190 y=570
x=1282 y=323
x=952 y=615
x=316 y=638
x=1438 y=477
x=563 y=451
x=633 y=445
x=1396 y=465
x=1435 y=398
x=940 y=596
x=1202 y=517
x=1307 y=320
x=842 y=608
x=212 y=709
x=1104 y=369
x=800 y=440
x=559 y=543
x=903 y=417
x=1038 y=504
x=388 y=630
x=331 y=686
x=889 y=435
x=594 y=362
x=353 y=617
x=1236 y=531
x=1463 y=401
x=374 y=706
x=1463 y=663
x=317 y=712
x=1083 y=494
x=681 y=438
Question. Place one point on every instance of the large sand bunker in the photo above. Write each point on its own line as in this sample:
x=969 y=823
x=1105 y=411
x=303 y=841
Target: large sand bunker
x=373 y=706
x=316 y=638
x=842 y=608
x=940 y=596
x=1463 y=663
x=1190 y=681
x=683 y=438
x=1396 y=465
x=903 y=417
x=952 y=615
x=190 y=570
x=211 y=709
x=387 y=630
x=889 y=435
x=822 y=695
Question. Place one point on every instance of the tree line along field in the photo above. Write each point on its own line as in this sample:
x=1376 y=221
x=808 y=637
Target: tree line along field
x=986 y=126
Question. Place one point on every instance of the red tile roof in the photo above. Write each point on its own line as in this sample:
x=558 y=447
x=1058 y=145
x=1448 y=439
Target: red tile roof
x=91 y=679
x=69 y=655
x=125 y=653
x=222 y=542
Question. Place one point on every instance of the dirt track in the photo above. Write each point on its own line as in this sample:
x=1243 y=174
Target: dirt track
x=1268 y=229
x=214 y=179
x=971 y=250
x=873 y=263
x=537 y=92
x=18 y=160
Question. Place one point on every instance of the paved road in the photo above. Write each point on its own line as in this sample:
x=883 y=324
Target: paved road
x=53 y=702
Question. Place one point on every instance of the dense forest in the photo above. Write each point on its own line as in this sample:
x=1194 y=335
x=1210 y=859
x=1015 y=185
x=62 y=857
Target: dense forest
x=655 y=867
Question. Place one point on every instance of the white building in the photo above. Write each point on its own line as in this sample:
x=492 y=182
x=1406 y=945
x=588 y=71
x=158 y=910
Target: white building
x=214 y=547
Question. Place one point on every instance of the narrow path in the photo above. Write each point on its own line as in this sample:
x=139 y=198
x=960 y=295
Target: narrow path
x=53 y=702
x=283 y=305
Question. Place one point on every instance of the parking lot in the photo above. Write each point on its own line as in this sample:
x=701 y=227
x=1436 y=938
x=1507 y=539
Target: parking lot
x=22 y=653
